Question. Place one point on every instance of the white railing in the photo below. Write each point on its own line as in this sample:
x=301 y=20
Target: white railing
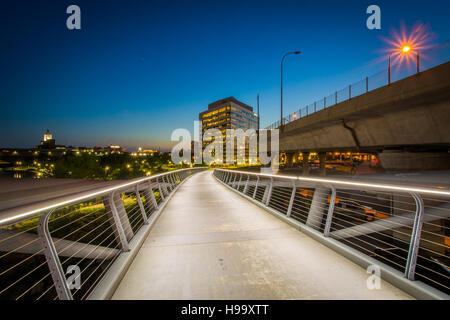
x=63 y=251
x=406 y=228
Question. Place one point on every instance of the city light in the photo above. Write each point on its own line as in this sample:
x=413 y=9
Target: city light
x=406 y=47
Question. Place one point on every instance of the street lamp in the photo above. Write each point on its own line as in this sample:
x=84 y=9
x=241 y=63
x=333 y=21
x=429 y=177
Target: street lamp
x=282 y=60
x=405 y=49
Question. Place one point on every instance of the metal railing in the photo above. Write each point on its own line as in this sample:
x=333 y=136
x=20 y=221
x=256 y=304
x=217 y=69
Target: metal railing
x=63 y=251
x=436 y=55
x=405 y=228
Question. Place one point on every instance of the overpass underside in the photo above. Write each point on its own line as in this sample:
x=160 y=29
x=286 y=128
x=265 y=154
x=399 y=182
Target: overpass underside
x=210 y=243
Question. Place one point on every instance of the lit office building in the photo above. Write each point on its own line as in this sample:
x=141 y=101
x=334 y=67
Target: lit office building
x=228 y=113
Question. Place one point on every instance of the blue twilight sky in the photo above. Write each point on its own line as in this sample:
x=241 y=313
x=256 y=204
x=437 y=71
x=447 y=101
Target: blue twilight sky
x=139 y=69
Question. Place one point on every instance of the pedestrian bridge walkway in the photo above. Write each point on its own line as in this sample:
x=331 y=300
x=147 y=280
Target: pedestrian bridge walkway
x=211 y=243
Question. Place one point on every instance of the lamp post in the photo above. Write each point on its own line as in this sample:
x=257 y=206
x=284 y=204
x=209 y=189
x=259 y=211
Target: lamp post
x=282 y=60
x=405 y=49
x=257 y=104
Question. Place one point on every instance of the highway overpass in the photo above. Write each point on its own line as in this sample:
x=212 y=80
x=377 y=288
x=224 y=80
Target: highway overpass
x=405 y=124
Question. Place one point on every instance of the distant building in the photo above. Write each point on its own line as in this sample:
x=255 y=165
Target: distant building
x=115 y=149
x=145 y=152
x=149 y=151
x=228 y=113
x=47 y=141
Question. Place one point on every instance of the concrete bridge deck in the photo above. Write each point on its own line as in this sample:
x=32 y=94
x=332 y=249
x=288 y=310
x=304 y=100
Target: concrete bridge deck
x=210 y=243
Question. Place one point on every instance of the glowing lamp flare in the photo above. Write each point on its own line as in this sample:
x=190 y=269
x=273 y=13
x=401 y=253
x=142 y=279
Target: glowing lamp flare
x=406 y=49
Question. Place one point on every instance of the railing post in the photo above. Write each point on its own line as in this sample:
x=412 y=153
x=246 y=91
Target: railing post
x=117 y=222
x=51 y=256
x=234 y=180
x=161 y=193
x=291 y=201
x=239 y=183
x=314 y=106
x=150 y=196
x=141 y=206
x=166 y=177
x=326 y=231
x=367 y=84
x=174 y=183
x=256 y=188
x=349 y=92
x=170 y=181
x=316 y=210
x=335 y=98
x=269 y=193
x=411 y=261
x=324 y=102
x=164 y=186
x=246 y=184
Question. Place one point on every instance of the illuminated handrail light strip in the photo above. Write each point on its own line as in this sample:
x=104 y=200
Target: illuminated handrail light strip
x=89 y=196
x=350 y=183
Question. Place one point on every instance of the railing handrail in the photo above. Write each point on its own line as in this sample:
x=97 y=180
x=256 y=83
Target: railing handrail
x=22 y=215
x=347 y=182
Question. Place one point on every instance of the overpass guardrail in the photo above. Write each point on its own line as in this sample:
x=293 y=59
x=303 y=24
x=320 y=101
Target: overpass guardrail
x=64 y=251
x=405 y=228
x=430 y=57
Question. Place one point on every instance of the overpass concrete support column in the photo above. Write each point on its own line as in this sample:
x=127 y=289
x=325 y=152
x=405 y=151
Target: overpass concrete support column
x=322 y=161
x=296 y=156
x=290 y=159
x=402 y=160
x=318 y=207
x=305 y=163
